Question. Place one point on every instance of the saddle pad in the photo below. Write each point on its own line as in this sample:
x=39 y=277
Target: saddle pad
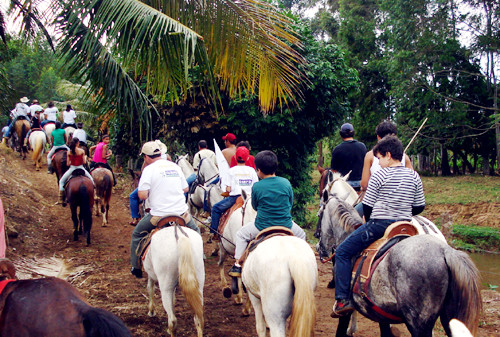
x=160 y=222
x=225 y=216
x=399 y=228
x=3 y=284
x=263 y=235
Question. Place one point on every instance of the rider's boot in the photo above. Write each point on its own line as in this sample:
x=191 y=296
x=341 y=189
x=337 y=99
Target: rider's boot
x=61 y=199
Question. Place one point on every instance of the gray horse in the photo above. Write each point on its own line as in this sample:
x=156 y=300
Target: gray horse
x=420 y=279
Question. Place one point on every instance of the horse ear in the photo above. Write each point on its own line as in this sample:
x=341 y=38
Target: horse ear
x=330 y=176
x=346 y=176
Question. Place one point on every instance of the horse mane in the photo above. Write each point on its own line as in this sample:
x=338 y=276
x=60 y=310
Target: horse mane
x=346 y=215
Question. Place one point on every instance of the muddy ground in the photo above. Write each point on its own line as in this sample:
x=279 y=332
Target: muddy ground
x=41 y=232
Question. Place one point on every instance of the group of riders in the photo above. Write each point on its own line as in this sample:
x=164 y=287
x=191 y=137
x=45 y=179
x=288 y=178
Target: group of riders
x=392 y=190
x=76 y=145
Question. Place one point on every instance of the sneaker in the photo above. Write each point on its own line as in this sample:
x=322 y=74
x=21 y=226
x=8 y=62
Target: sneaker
x=208 y=221
x=342 y=308
x=235 y=271
x=137 y=272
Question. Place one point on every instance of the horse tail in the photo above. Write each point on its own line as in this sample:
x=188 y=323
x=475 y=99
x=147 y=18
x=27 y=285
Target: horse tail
x=37 y=148
x=304 y=306
x=85 y=209
x=107 y=187
x=101 y=323
x=463 y=299
x=187 y=277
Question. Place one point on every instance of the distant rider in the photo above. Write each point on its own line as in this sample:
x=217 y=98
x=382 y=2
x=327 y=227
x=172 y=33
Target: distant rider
x=59 y=142
x=21 y=111
x=100 y=154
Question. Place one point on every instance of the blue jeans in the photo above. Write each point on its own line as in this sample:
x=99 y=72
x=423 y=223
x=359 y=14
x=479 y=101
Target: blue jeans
x=359 y=208
x=354 y=183
x=134 y=204
x=46 y=121
x=220 y=208
x=7 y=134
x=350 y=248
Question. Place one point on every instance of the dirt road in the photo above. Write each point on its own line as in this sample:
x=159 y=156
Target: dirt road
x=45 y=231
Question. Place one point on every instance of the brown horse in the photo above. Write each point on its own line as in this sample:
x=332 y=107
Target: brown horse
x=59 y=163
x=80 y=193
x=51 y=307
x=103 y=180
x=22 y=126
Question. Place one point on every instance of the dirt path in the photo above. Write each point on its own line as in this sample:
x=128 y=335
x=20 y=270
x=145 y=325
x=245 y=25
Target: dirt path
x=45 y=230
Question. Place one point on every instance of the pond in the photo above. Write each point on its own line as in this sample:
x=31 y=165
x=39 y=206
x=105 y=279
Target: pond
x=489 y=266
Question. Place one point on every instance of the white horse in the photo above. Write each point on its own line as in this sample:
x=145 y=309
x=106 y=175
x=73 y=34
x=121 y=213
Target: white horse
x=185 y=165
x=37 y=142
x=207 y=173
x=238 y=219
x=175 y=257
x=48 y=128
x=281 y=276
x=69 y=133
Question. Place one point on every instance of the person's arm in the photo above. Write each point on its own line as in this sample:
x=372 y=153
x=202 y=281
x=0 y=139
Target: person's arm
x=65 y=138
x=408 y=162
x=143 y=195
x=417 y=209
x=68 y=161
x=91 y=151
x=228 y=189
x=107 y=151
x=365 y=176
x=367 y=212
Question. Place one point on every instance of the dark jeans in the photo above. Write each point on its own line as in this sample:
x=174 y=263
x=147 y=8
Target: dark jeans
x=220 y=208
x=350 y=248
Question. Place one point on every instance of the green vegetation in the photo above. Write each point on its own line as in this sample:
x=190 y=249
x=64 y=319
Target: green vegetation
x=461 y=189
x=476 y=237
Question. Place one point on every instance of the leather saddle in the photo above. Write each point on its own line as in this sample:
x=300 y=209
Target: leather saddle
x=227 y=214
x=368 y=260
x=263 y=235
x=164 y=222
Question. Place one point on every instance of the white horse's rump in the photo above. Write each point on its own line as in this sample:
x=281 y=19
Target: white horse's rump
x=281 y=276
x=172 y=262
x=37 y=142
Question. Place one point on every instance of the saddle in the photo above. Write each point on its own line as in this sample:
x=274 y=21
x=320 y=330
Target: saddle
x=368 y=260
x=160 y=223
x=76 y=173
x=225 y=216
x=57 y=150
x=97 y=165
x=263 y=235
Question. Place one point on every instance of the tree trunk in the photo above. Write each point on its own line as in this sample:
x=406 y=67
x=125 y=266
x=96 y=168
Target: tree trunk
x=445 y=165
x=466 y=163
x=456 y=170
x=486 y=164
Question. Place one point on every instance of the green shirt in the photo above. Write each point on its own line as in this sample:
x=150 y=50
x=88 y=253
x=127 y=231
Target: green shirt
x=272 y=198
x=58 y=135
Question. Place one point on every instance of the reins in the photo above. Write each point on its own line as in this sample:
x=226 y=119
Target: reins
x=220 y=234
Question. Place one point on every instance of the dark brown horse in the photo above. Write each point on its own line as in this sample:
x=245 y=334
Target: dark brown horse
x=59 y=163
x=103 y=180
x=80 y=194
x=51 y=307
x=22 y=126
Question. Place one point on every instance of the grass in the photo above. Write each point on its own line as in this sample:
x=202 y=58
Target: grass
x=476 y=237
x=461 y=189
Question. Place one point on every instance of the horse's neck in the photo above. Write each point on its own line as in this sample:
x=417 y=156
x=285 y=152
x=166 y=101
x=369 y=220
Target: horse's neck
x=344 y=192
x=208 y=171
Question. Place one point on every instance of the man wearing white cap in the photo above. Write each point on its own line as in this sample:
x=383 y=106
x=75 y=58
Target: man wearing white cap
x=163 y=184
x=21 y=111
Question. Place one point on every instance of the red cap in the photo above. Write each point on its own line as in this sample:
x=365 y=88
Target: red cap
x=242 y=153
x=229 y=137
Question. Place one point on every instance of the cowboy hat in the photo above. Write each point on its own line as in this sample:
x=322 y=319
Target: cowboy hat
x=24 y=99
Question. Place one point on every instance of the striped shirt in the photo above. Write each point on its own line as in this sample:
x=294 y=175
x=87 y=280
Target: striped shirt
x=392 y=192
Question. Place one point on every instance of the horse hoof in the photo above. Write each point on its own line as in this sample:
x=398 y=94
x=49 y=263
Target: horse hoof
x=331 y=284
x=245 y=313
x=151 y=314
x=395 y=332
x=227 y=292
x=215 y=253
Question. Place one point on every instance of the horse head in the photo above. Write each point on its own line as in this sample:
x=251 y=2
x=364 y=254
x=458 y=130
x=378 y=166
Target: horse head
x=207 y=171
x=185 y=165
x=7 y=270
x=337 y=184
x=338 y=220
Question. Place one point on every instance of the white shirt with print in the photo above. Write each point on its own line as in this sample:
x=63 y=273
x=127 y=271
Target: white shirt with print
x=242 y=178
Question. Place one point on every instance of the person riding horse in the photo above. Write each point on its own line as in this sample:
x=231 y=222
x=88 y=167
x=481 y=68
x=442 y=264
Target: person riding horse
x=59 y=142
x=394 y=193
x=163 y=184
x=100 y=154
x=50 y=114
x=203 y=153
x=76 y=158
x=69 y=116
x=21 y=111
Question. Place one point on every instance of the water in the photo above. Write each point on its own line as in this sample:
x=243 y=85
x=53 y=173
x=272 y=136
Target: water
x=489 y=266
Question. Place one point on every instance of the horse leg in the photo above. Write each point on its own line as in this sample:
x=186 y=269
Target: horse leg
x=260 y=322
x=226 y=290
x=74 y=217
x=353 y=326
x=151 y=292
x=342 y=326
x=168 y=300
x=97 y=204
x=238 y=299
x=387 y=331
x=105 y=215
x=247 y=308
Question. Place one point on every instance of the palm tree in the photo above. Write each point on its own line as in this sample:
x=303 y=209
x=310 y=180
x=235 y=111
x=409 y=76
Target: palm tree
x=131 y=52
